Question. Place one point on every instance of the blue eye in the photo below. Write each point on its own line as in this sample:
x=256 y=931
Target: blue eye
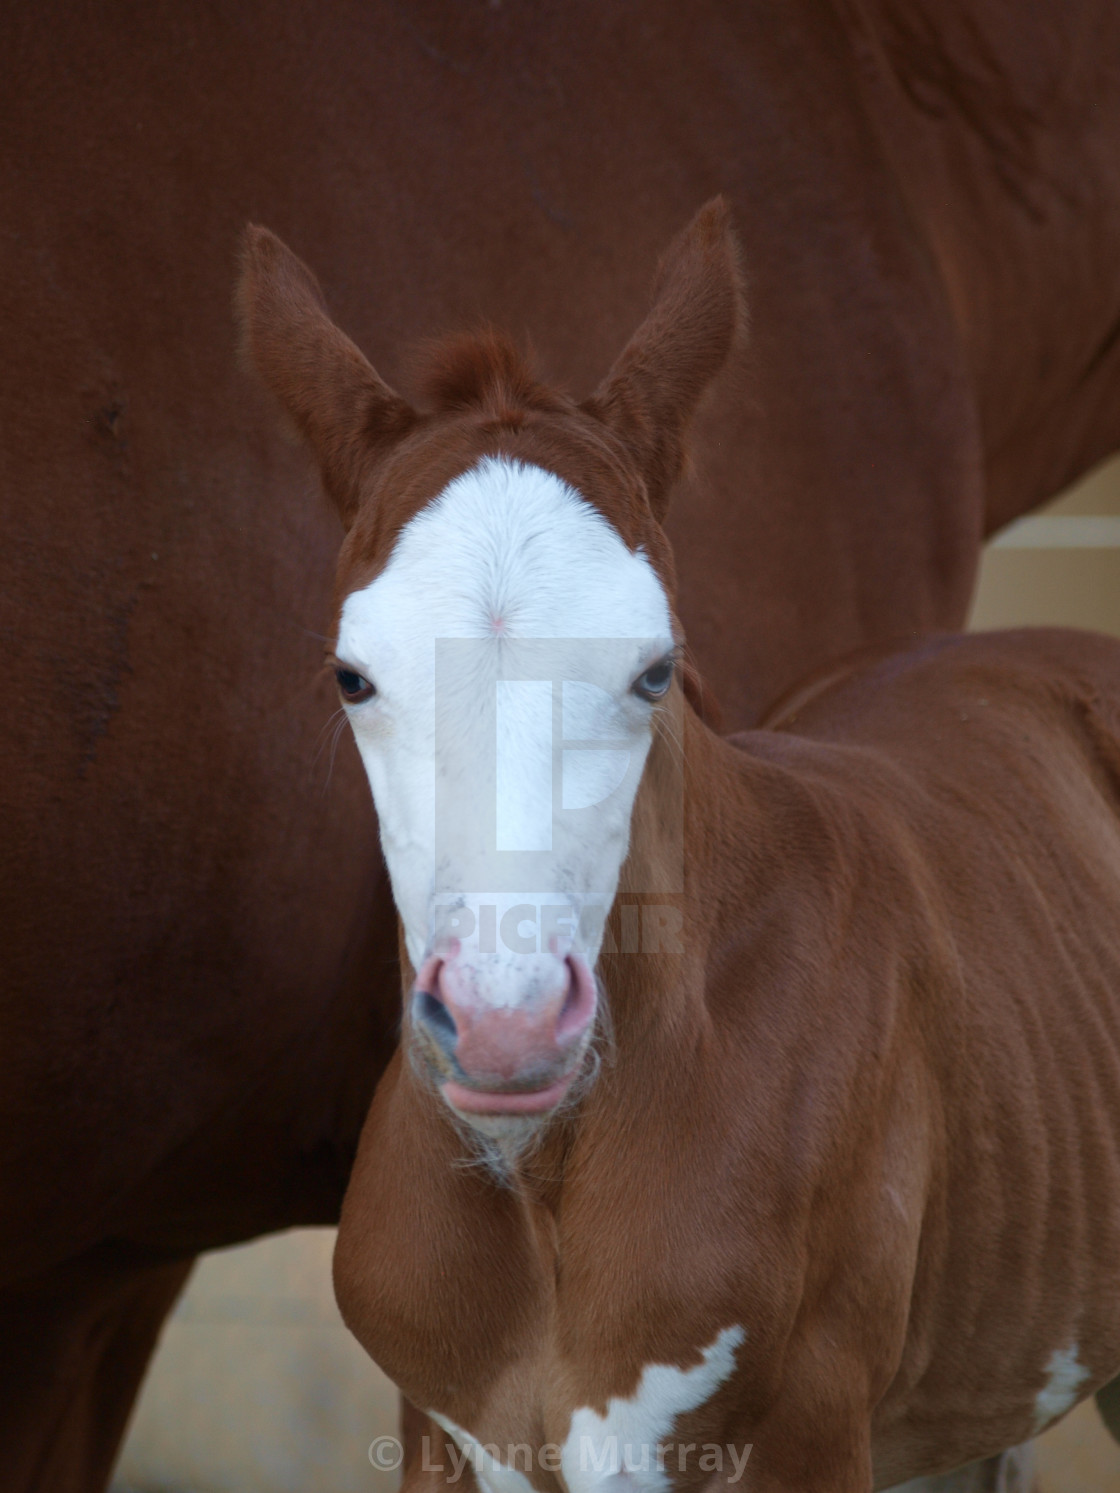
x=352 y=687
x=654 y=683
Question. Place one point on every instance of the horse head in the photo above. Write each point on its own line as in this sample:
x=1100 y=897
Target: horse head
x=505 y=646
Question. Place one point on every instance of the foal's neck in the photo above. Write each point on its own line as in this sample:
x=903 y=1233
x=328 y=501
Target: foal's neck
x=694 y=855
x=685 y=898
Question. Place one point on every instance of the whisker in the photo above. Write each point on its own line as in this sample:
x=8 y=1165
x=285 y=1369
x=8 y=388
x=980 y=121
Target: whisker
x=338 y=730
x=666 y=728
x=320 y=738
x=309 y=632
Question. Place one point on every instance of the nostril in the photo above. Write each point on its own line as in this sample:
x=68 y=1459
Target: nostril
x=569 y=1010
x=579 y=1003
x=431 y=1010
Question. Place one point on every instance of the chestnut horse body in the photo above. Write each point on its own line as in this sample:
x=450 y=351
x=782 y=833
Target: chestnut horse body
x=842 y=1206
x=199 y=983
x=835 y=1191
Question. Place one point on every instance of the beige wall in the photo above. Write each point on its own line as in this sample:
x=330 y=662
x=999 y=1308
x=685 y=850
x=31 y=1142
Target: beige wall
x=258 y=1388
x=1060 y=567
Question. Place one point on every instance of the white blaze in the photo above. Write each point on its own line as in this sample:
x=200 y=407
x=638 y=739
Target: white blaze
x=504 y=745
x=523 y=765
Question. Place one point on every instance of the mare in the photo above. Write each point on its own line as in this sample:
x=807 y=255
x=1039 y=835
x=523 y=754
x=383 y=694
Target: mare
x=814 y=1186
x=928 y=196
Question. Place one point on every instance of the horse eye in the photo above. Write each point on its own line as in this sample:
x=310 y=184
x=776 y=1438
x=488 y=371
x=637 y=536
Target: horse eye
x=352 y=687
x=654 y=683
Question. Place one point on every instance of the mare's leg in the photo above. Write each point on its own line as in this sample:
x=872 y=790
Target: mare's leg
x=75 y=1343
x=1108 y=1403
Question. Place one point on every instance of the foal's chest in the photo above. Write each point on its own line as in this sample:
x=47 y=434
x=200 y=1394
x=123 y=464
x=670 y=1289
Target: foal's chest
x=540 y=1426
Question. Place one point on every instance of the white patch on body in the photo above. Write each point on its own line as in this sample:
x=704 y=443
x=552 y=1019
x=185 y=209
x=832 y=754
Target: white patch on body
x=466 y=755
x=618 y=1450
x=1061 y=1392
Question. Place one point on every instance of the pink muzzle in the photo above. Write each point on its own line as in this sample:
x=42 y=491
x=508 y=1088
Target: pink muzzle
x=504 y=1058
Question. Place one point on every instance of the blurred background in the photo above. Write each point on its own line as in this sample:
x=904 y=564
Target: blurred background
x=257 y=1387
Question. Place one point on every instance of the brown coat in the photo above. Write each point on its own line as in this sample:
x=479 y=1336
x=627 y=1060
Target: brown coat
x=197 y=990
x=869 y=1114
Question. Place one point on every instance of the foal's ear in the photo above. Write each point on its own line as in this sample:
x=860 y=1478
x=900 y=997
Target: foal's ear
x=651 y=393
x=335 y=399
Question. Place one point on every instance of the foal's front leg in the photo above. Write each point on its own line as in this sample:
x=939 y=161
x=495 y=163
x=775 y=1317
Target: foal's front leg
x=1013 y=1471
x=791 y=1453
x=817 y=1436
x=433 y=1463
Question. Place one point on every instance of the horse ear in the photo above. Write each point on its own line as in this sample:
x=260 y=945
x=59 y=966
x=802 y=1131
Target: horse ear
x=651 y=393
x=338 y=403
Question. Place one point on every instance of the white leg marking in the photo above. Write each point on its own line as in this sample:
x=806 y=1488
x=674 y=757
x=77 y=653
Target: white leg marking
x=618 y=1450
x=1060 y=1394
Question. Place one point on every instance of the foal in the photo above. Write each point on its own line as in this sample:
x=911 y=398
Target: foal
x=842 y=1204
